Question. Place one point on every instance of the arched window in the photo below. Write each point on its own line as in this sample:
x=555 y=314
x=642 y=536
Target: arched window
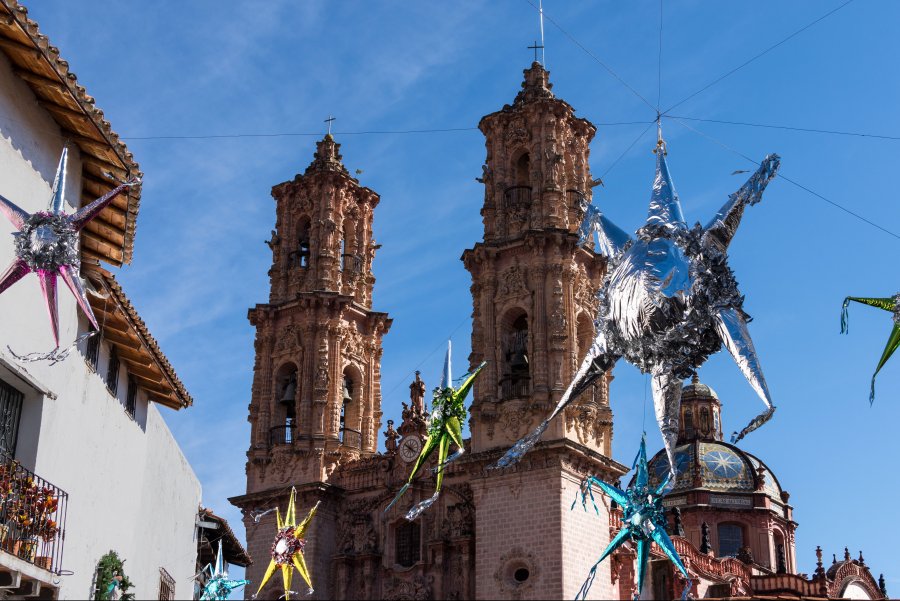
x=346 y=399
x=688 y=423
x=731 y=539
x=407 y=544
x=704 y=420
x=303 y=250
x=284 y=425
x=780 y=554
x=523 y=168
x=517 y=375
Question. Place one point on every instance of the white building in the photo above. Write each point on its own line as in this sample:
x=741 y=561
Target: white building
x=90 y=425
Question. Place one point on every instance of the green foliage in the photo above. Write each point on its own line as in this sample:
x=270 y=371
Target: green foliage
x=109 y=566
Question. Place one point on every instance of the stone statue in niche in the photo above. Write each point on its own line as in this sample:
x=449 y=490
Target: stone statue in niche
x=390 y=438
x=417 y=394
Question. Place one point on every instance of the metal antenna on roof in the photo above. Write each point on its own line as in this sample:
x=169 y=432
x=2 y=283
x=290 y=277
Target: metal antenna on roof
x=329 y=121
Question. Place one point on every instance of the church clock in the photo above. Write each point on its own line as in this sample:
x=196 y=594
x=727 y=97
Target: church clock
x=410 y=448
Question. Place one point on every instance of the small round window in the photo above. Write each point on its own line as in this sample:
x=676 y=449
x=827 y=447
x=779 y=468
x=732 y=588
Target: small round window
x=518 y=573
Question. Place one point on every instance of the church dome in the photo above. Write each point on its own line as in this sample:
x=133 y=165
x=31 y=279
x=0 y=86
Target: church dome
x=715 y=466
x=703 y=460
x=697 y=389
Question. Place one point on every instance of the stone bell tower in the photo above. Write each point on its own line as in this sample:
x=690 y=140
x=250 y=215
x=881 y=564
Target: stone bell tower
x=316 y=397
x=533 y=287
x=534 y=301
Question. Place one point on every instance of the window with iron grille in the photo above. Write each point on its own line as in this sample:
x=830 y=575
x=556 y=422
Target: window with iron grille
x=131 y=398
x=112 y=373
x=92 y=353
x=10 y=412
x=166 y=586
x=408 y=545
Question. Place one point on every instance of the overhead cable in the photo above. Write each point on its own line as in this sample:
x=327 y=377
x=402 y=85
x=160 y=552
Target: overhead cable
x=789 y=128
x=789 y=180
x=593 y=56
x=763 y=53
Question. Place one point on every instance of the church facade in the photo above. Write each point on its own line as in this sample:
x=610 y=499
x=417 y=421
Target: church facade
x=315 y=410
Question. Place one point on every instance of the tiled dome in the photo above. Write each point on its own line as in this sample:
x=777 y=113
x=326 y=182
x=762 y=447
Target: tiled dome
x=721 y=467
x=697 y=389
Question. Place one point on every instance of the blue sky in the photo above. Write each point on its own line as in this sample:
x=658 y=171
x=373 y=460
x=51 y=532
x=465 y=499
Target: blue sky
x=198 y=68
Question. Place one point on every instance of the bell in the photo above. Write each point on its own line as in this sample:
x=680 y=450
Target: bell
x=290 y=392
x=519 y=360
x=346 y=393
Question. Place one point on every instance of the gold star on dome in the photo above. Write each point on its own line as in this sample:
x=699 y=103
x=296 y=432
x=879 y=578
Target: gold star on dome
x=287 y=548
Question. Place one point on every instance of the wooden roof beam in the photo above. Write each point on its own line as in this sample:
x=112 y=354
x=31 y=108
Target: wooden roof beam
x=114 y=249
x=78 y=138
x=39 y=80
x=119 y=340
x=104 y=165
x=142 y=371
x=9 y=44
x=64 y=110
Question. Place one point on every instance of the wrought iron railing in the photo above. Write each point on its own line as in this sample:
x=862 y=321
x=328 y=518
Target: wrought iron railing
x=281 y=435
x=515 y=388
x=351 y=263
x=32 y=516
x=351 y=438
x=517 y=196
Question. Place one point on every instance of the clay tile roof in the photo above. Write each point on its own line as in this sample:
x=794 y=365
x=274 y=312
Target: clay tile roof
x=121 y=326
x=110 y=236
x=232 y=548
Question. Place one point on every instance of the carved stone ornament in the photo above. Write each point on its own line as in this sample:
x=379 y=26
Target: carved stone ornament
x=516 y=133
x=459 y=521
x=288 y=339
x=586 y=421
x=352 y=341
x=418 y=589
x=585 y=292
x=512 y=283
x=357 y=530
x=515 y=420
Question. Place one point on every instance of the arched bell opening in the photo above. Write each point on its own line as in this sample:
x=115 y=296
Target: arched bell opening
x=515 y=381
x=284 y=427
x=351 y=395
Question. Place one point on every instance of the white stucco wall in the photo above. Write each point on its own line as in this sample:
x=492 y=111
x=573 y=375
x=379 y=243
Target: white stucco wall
x=130 y=487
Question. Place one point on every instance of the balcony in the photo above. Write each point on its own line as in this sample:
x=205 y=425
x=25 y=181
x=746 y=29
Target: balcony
x=32 y=520
x=517 y=196
x=281 y=435
x=351 y=438
x=515 y=387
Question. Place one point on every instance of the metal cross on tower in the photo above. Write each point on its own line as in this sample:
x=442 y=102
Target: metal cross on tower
x=536 y=47
x=329 y=121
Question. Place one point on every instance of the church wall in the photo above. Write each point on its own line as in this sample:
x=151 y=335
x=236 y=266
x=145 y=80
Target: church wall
x=585 y=536
x=519 y=518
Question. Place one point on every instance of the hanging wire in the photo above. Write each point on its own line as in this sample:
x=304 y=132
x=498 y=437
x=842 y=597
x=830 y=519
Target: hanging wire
x=402 y=381
x=593 y=56
x=338 y=133
x=789 y=180
x=644 y=419
x=630 y=146
x=761 y=54
x=789 y=128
